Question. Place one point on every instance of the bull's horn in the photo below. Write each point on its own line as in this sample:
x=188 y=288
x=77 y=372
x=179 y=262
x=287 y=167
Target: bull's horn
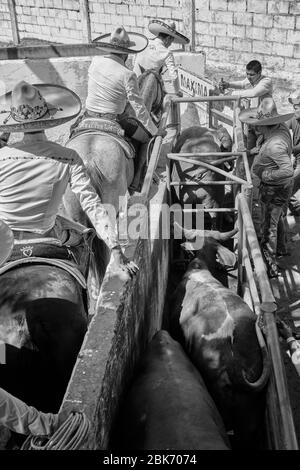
x=190 y=234
x=238 y=375
x=223 y=236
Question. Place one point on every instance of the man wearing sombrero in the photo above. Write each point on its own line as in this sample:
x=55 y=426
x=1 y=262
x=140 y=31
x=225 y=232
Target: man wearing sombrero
x=157 y=54
x=273 y=166
x=35 y=172
x=294 y=125
x=111 y=86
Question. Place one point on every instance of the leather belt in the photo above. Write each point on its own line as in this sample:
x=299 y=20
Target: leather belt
x=22 y=235
x=110 y=116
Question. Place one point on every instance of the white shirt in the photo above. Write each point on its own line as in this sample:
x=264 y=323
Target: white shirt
x=111 y=85
x=154 y=57
x=34 y=175
x=261 y=89
x=24 y=419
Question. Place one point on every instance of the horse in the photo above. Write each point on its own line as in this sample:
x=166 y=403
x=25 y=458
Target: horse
x=109 y=163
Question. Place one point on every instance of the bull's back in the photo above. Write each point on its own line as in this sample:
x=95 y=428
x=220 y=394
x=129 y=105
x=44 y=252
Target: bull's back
x=168 y=406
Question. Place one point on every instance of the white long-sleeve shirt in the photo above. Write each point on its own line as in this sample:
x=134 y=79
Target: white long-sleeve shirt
x=263 y=88
x=34 y=175
x=111 y=85
x=23 y=419
x=154 y=57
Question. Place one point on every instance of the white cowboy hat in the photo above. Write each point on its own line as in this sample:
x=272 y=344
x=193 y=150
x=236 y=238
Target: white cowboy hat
x=265 y=115
x=121 y=42
x=29 y=108
x=6 y=242
x=157 y=26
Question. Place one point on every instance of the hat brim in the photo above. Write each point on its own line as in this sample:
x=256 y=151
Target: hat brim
x=156 y=27
x=6 y=242
x=248 y=116
x=294 y=100
x=68 y=106
x=138 y=41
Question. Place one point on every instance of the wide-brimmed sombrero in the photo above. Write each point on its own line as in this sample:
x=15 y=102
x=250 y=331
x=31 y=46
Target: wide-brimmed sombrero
x=265 y=114
x=121 y=42
x=157 y=26
x=29 y=108
x=6 y=242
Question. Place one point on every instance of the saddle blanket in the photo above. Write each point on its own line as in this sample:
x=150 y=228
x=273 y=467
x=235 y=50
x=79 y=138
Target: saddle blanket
x=107 y=128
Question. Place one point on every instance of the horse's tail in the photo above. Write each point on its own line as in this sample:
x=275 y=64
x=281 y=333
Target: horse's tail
x=148 y=81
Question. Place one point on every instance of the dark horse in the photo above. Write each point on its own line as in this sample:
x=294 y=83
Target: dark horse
x=43 y=320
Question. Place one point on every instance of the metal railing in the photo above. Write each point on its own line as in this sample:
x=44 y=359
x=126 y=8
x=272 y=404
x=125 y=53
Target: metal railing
x=252 y=272
x=280 y=423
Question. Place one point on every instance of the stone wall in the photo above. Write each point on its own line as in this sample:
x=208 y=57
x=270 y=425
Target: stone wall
x=229 y=31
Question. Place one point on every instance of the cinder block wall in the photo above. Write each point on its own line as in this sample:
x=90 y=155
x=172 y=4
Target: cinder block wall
x=236 y=31
x=229 y=31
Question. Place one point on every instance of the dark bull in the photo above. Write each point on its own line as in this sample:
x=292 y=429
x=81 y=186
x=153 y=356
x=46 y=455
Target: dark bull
x=168 y=406
x=220 y=333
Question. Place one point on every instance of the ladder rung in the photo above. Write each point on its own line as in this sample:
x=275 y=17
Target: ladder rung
x=203 y=183
x=222 y=209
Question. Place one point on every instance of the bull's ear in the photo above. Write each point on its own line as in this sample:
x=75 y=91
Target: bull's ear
x=226 y=257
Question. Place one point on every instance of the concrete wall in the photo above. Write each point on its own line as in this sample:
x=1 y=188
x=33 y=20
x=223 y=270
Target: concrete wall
x=128 y=315
x=229 y=31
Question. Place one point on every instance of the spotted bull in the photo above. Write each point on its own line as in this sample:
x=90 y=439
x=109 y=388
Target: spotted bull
x=168 y=406
x=220 y=333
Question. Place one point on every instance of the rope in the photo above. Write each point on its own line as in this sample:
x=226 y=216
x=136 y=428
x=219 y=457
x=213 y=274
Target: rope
x=69 y=436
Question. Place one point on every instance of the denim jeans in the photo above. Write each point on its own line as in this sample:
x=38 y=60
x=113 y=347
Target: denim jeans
x=274 y=202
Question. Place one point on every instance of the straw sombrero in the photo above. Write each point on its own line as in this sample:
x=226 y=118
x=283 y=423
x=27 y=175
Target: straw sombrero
x=121 y=42
x=157 y=26
x=265 y=114
x=29 y=108
x=6 y=242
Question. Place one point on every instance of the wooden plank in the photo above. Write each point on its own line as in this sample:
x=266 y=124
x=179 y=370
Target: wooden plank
x=48 y=51
x=85 y=20
x=14 y=21
x=189 y=22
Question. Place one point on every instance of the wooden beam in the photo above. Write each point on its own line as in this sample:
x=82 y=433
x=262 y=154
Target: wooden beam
x=85 y=20
x=189 y=21
x=49 y=51
x=14 y=21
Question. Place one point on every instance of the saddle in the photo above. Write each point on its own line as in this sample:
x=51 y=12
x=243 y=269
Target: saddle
x=101 y=126
x=40 y=250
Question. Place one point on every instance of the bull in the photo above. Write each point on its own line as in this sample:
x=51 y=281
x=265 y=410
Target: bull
x=220 y=333
x=168 y=406
x=198 y=139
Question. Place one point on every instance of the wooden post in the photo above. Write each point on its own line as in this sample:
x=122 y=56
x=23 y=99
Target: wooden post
x=189 y=21
x=14 y=21
x=85 y=20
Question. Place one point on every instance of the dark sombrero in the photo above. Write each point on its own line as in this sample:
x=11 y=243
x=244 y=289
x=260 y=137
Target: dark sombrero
x=157 y=26
x=121 y=42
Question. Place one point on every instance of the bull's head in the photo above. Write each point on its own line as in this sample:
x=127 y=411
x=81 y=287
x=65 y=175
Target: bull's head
x=207 y=248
